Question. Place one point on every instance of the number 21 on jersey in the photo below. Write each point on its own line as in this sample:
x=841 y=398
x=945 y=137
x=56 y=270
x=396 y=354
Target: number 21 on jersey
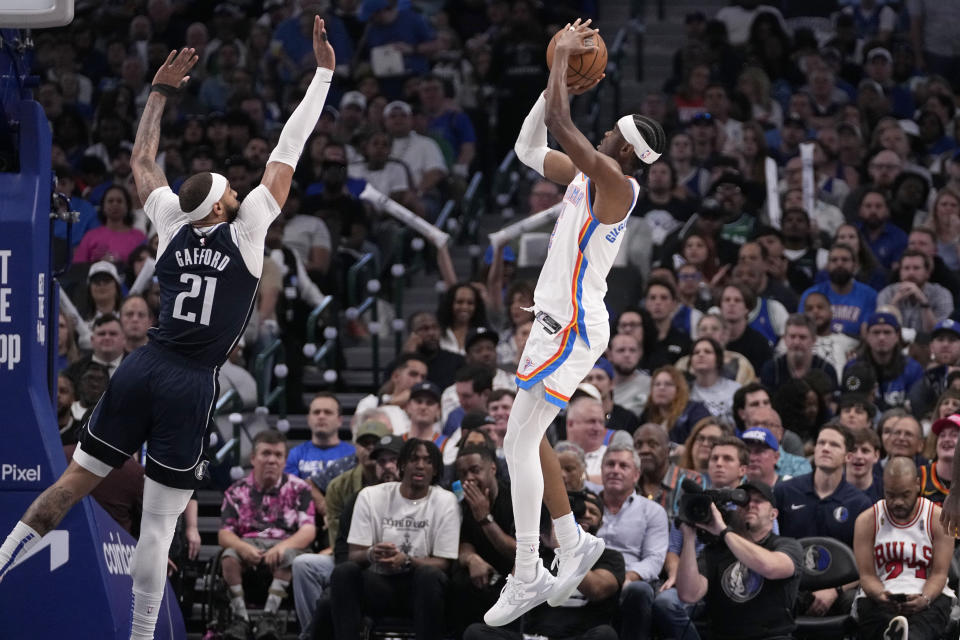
x=209 y=286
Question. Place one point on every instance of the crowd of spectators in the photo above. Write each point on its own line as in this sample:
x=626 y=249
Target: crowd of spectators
x=797 y=331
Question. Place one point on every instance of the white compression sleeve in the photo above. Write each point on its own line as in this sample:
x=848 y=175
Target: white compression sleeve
x=161 y=507
x=301 y=122
x=531 y=146
x=529 y=418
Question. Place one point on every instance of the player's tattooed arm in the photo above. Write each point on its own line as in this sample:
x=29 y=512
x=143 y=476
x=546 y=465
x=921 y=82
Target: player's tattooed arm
x=170 y=78
x=146 y=172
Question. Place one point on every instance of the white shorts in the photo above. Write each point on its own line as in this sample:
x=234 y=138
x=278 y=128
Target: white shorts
x=561 y=361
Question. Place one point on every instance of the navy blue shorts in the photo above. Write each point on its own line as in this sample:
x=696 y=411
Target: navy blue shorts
x=160 y=398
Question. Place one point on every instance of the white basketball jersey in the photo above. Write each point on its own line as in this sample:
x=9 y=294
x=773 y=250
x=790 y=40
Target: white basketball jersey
x=903 y=552
x=573 y=281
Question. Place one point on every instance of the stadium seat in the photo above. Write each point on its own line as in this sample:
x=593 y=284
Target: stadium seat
x=827 y=564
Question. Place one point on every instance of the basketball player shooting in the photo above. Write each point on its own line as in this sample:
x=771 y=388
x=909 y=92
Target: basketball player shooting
x=571 y=328
x=210 y=258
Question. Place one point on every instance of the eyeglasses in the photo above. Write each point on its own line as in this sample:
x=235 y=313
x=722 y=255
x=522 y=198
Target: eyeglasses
x=702 y=118
x=626 y=324
x=900 y=433
x=690 y=276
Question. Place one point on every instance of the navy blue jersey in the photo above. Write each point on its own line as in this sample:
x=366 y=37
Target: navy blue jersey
x=208 y=277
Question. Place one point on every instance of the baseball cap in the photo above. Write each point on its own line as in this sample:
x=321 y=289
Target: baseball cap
x=587 y=389
x=103 y=267
x=475 y=419
x=952 y=420
x=711 y=208
x=727 y=178
x=882 y=317
x=354 y=99
x=946 y=326
x=879 y=51
x=370 y=7
x=868 y=83
x=909 y=127
x=391 y=443
x=604 y=365
x=398 y=104
x=761 y=435
x=426 y=387
x=762 y=488
x=374 y=428
x=858 y=378
x=795 y=120
x=480 y=333
x=329 y=110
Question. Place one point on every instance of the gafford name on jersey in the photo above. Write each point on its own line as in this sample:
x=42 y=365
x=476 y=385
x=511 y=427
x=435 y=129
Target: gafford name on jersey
x=207 y=257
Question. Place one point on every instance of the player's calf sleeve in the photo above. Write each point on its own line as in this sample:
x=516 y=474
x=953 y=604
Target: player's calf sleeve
x=529 y=418
x=161 y=507
x=301 y=122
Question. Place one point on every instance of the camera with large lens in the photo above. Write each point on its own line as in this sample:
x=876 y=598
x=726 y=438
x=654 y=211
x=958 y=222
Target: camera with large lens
x=694 y=507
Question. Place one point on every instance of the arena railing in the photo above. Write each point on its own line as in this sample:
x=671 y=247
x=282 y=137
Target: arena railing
x=270 y=372
x=357 y=278
x=325 y=353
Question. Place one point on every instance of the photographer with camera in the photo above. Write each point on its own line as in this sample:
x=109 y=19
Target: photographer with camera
x=748 y=575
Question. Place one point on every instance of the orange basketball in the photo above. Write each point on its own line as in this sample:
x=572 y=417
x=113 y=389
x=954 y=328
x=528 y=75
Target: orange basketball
x=590 y=65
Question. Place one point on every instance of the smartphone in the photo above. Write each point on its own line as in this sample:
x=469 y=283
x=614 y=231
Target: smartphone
x=550 y=325
x=898 y=597
x=457 y=489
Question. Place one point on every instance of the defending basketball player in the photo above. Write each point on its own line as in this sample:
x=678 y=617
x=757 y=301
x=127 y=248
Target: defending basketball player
x=571 y=328
x=209 y=263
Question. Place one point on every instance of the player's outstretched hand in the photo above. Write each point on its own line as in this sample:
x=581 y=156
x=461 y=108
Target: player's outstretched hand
x=174 y=70
x=571 y=40
x=321 y=46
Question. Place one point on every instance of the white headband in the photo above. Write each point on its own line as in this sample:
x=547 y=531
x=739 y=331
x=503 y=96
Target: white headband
x=217 y=189
x=632 y=135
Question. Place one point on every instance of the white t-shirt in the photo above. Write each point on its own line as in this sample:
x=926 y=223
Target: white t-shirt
x=399 y=420
x=390 y=178
x=632 y=394
x=419 y=153
x=718 y=399
x=303 y=232
x=420 y=528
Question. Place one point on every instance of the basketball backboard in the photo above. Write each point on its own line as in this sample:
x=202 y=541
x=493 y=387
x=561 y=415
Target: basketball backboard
x=35 y=14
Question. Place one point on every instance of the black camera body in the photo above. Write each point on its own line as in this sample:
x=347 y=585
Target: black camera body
x=694 y=507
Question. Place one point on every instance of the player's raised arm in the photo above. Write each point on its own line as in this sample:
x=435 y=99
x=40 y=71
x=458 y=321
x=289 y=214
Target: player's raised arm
x=170 y=78
x=615 y=190
x=283 y=160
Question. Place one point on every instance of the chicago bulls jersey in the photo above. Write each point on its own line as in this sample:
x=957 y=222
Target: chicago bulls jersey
x=573 y=281
x=903 y=552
